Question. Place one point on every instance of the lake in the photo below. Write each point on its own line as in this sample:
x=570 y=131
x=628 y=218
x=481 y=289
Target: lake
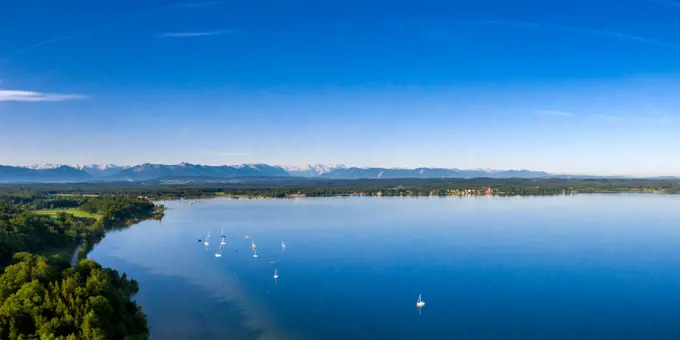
x=563 y=267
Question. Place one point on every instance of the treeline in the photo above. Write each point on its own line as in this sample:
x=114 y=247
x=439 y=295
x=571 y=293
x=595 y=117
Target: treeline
x=22 y=231
x=43 y=300
x=277 y=187
x=117 y=208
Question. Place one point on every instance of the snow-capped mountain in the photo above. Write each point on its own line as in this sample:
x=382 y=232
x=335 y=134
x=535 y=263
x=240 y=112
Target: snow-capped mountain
x=357 y=173
x=46 y=174
x=43 y=166
x=101 y=170
x=148 y=171
x=112 y=172
x=311 y=170
x=96 y=170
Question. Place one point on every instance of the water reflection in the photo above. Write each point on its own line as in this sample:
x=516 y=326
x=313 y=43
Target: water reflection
x=526 y=268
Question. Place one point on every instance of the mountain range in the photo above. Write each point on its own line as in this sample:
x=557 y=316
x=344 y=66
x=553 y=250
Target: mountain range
x=95 y=170
x=359 y=173
x=55 y=174
x=147 y=171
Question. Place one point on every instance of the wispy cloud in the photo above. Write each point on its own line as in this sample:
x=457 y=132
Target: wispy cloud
x=136 y=16
x=553 y=113
x=39 y=44
x=599 y=32
x=194 y=34
x=31 y=96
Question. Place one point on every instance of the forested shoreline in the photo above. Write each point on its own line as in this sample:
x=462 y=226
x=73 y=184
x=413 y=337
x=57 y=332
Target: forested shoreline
x=41 y=295
x=285 y=187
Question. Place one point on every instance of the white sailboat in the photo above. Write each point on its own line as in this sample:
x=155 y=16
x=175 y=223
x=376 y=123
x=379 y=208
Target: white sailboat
x=223 y=242
x=219 y=253
x=222 y=232
x=253 y=245
x=420 y=303
x=283 y=245
x=207 y=239
x=276 y=274
x=255 y=254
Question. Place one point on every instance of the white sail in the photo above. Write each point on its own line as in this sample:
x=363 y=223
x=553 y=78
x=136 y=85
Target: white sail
x=420 y=302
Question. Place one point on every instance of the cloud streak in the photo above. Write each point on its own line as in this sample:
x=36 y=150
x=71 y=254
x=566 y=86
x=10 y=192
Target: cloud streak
x=599 y=32
x=31 y=96
x=194 y=34
x=556 y=113
x=138 y=16
x=39 y=44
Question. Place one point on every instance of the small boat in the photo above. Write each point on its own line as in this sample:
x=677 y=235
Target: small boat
x=283 y=245
x=420 y=303
x=198 y=240
x=219 y=253
x=247 y=237
x=276 y=274
x=223 y=242
x=253 y=245
x=223 y=236
x=255 y=254
x=207 y=239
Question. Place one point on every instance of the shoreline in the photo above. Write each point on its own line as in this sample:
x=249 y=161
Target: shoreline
x=177 y=198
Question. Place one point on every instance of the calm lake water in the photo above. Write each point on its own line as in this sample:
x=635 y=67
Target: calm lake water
x=568 y=267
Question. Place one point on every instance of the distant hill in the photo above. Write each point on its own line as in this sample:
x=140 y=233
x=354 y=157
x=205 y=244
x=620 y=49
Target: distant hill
x=311 y=170
x=197 y=172
x=154 y=171
x=56 y=174
x=359 y=173
x=96 y=170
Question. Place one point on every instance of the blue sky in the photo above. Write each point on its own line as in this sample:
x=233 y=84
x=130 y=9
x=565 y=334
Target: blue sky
x=567 y=86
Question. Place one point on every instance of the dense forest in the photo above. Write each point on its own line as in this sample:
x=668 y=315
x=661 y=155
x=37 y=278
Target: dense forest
x=43 y=300
x=44 y=297
x=282 y=187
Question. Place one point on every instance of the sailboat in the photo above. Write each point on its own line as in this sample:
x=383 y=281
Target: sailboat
x=283 y=245
x=253 y=245
x=255 y=254
x=223 y=236
x=276 y=274
x=420 y=303
x=207 y=239
x=223 y=242
x=219 y=253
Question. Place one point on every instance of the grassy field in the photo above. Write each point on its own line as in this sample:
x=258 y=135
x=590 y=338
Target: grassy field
x=74 y=211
